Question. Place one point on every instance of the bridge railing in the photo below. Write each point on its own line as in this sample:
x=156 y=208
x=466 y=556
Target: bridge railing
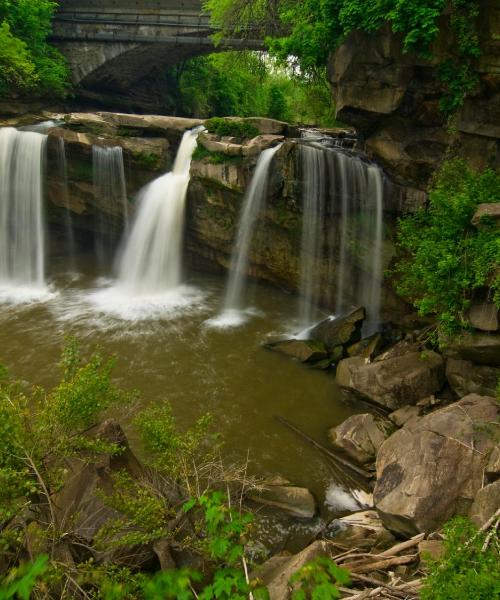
x=156 y=20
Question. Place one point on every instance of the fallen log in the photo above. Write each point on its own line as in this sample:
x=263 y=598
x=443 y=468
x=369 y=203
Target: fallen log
x=368 y=566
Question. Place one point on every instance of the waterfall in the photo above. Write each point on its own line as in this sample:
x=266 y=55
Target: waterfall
x=252 y=206
x=110 y=190
x=62 y=168
x=342 y=194
x=313 y=197
x=22 y=244
x=152 y=258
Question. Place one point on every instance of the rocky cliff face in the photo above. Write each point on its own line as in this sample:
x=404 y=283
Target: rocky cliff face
x=393 y=100
x=221 y=172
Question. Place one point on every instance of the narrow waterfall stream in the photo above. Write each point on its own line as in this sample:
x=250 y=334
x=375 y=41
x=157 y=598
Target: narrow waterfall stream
x=342 y=234
x=151 y=263
x=62 y=167
x=233 y=305
x=111 y=189
x=22 y=243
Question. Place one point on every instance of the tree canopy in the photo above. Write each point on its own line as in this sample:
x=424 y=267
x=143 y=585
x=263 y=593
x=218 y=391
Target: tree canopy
x=27 y=62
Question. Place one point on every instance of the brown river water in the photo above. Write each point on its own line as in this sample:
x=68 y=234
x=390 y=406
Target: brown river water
x=172 y=355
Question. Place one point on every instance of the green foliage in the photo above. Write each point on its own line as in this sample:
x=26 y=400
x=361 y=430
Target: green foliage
x=317 y=580
x=444 y=258
x=230 y=127
x=20 y=582
x=465 y=570
x=305 y=33
x=246 y=84
x=27 y=62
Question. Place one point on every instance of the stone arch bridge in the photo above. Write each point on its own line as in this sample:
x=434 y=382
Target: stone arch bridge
x=113 y=45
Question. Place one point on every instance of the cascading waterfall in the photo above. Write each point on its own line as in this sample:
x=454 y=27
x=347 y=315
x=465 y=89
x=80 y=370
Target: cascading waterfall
x=62 y=167
x=252 y=206
x=22 y=244
x=314 y=192
x=152 y=259
x=110 y=188
x=342 y=187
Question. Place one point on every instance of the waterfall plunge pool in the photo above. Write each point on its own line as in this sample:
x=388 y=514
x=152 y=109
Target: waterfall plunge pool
x=173 y=356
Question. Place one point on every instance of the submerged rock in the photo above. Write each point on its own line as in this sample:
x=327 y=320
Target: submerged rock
x=393 y=382
x=295 y=501
x=360 y=437
x=432 y=468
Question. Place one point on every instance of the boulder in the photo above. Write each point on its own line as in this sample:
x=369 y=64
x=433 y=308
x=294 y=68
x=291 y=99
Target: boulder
x=483 y=316
x=493 y=466
x=338 y=332
x=303 y=350
x=404 y=415
x=487 y=213
x=465 y=378
x=79 y=506
x=278 y=570
x=367 y=348
x=360 y=437
x=362 y=530
x=393 y=382
x=480 y=348
x=432 y=549
x=432 y=468
x=295 y=501
x=486 y=503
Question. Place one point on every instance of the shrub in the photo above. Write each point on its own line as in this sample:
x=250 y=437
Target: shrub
x=230 y=127
x=468 y=568
x=443 y=258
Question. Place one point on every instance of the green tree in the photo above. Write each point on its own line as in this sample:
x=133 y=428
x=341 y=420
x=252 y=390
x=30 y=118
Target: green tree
x=27 y=62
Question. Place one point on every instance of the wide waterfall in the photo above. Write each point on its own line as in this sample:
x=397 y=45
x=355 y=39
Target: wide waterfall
x=233 y=304
x=152 y=259
x=22 y=244
x=110 y=189
x=343 y=199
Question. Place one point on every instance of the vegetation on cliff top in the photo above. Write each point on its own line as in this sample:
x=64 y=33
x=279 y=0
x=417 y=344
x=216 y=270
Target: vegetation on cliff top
x=246 y=84
x=444 y=259
x=28 y=64
x=305 y=33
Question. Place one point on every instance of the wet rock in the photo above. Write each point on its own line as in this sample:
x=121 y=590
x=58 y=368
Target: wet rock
x=486 y=503
x=404 y=415
x=260 y=143
x=277 y=571
x=303 y=350
x=479 y=348
x=362 y=530
x=295 y=501
x=432 y=468
x=360 y=436
x=393 y=382
x=484 y=316
x=398 y=349
x=367 y=348
x=486 y=214
x=465 y=378
x=338 y=332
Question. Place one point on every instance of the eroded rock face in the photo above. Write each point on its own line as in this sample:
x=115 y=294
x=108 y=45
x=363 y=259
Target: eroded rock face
x=360 y=437
x=393 y=100
x=432 y=468
x=393 y=382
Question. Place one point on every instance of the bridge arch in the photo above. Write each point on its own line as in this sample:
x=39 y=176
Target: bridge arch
x=112 y=45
